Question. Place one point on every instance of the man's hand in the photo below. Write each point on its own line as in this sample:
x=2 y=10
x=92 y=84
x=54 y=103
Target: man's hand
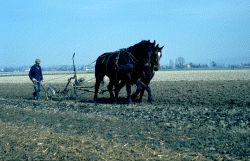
x=33 y=80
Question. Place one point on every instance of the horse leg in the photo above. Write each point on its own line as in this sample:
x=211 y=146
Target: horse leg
x=128 y=88
x=141 y=94
x=138 y=90
x=110 y=89
x=118 y=87
x=97 y=85
x=150 y=97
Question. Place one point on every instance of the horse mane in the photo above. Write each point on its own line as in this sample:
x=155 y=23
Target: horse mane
x=140 y=50
x=144 y=44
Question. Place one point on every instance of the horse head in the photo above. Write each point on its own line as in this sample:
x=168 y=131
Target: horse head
x=156 y=56
x=143 y=51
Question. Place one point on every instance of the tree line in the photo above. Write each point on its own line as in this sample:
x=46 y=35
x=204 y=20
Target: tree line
x=179 y=64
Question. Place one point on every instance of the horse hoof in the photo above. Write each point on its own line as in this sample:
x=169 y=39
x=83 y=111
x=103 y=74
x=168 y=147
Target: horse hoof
x=95 y=101
x=150 y=101
x=112 y=100
x=129 y=101
x=133 y=97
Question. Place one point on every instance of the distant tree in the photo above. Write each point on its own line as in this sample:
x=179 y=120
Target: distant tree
x=234 y=66
x=180 y=62
x=193 y=65
x=171 y=64
x=245 y=65
x=65 y=68
x=213 y=64
x=9 y=69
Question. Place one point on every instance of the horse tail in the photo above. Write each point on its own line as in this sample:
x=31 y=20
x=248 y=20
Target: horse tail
x=101 y=66
x=98 y=65
x=100 y=72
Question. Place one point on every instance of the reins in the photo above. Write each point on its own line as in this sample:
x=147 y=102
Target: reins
x=91 y=63
x=57 y=78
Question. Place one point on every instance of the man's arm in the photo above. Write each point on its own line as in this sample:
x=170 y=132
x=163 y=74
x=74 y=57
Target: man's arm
x=41 y=74
x=31 y=74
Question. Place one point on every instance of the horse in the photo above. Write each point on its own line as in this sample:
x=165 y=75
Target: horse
x=124 y=65
x=147 y=74
x=143 y=83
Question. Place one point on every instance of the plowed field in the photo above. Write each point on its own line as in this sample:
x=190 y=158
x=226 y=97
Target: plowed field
x=202 y=115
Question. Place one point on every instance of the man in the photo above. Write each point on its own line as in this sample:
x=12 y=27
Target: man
x=36 y=77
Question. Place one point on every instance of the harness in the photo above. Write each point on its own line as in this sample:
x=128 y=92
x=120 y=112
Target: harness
x=118 y=57
x=119 y=67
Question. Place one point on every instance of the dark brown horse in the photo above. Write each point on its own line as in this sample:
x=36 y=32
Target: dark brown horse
x=123 y=67
x=147 y=75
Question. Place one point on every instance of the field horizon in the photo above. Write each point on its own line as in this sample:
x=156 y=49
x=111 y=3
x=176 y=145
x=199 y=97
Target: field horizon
x=177 y=75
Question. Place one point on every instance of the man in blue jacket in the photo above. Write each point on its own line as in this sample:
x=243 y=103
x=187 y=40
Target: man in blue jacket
x=36 y=77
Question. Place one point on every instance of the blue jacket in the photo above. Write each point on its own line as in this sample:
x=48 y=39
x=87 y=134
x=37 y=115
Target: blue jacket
x=36 y=72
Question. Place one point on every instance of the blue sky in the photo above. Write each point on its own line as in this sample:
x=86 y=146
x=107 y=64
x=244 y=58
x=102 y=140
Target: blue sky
x=201 y=31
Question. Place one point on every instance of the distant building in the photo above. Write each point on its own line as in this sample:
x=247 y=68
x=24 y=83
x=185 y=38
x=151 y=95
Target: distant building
x=27 y=70
x=189 y=66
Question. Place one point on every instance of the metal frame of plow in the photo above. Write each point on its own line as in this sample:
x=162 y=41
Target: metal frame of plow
x=52 y=92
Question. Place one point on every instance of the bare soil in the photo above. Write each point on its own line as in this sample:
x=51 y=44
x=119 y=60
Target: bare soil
x=188 y=120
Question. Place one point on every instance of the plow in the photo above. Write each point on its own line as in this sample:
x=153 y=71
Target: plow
x=73 y=89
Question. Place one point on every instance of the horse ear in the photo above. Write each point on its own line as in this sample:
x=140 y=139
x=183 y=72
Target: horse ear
x=162 y=47
x=154 y=43
x=157 y=46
